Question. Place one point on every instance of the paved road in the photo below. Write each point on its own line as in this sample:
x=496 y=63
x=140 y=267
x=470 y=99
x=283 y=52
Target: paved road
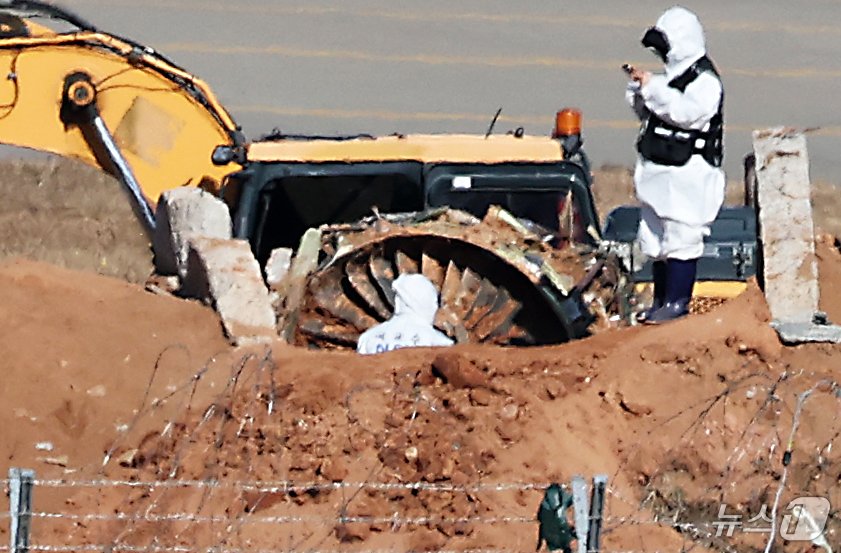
x=379 y=66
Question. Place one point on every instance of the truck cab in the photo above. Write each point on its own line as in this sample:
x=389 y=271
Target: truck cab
x=293 y=183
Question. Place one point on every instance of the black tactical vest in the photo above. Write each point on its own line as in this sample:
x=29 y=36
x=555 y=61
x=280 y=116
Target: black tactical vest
x=667 y=144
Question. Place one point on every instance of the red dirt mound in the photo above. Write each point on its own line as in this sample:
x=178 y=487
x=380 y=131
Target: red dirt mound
x=452 y=446
x=78 y=353
x=282 y=448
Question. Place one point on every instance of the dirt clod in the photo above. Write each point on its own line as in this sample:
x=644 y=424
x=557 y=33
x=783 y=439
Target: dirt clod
x=458 y=371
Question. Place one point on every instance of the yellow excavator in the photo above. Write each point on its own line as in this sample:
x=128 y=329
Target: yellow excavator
x=504 y=224
x=109 y=102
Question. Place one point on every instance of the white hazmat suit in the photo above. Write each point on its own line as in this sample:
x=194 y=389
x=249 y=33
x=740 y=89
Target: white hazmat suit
x=416 y=302
x=678 y=202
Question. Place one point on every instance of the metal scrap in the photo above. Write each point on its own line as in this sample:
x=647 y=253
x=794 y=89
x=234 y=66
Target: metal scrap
x=350 y=290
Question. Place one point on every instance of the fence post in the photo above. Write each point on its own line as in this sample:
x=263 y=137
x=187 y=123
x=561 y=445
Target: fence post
x=596 y=509
x=20 y=507
x=581 y=510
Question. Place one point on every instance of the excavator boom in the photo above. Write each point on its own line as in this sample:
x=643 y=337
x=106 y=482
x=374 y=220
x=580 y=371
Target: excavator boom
x=109 y=102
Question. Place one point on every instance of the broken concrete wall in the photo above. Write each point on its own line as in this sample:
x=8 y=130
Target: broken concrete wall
x=277 y=267
x=183 y=213
x=294 y=287
x=226 y=274
x=786 y=228
x=276 y=271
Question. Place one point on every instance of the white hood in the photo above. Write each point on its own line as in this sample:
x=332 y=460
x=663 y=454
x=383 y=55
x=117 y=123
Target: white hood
x=415 y=295
x=685 y=34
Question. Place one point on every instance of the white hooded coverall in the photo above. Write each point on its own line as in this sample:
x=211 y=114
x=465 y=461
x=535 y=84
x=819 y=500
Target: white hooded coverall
x=416 y=302
x=678 y=202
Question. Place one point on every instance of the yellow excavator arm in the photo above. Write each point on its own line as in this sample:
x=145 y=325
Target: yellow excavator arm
x=109 y=102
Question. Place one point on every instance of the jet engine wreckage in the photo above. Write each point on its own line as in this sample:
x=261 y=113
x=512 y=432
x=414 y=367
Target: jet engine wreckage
x=500 y=279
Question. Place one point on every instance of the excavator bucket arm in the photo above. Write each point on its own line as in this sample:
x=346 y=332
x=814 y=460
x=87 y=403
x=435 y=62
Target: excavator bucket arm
x=109 y=102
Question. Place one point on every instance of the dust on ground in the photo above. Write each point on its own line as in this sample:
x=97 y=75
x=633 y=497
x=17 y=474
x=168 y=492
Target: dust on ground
x=264 y=448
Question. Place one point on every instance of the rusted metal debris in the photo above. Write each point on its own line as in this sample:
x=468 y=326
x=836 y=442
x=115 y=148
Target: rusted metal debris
x=493 y=276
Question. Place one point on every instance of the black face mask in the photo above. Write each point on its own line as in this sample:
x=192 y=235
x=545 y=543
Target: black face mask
x=656 y=40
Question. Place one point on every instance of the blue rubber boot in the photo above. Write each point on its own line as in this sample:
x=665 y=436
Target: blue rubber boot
x=659 y=272
x=680 y=280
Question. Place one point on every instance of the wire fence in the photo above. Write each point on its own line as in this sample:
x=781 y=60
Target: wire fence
x=180 y=549
x=286 y=487
x=395 y=522
x=203 y=483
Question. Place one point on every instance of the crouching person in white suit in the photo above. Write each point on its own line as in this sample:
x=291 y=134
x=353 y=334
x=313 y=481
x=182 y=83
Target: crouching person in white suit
x=678 y=176
x=415 y=305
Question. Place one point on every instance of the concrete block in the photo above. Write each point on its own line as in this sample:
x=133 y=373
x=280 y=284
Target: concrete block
x=818 y=330
x=226 y=274
x=305 y=262
x=277 y=267
x=783 y=196
x=183 y=213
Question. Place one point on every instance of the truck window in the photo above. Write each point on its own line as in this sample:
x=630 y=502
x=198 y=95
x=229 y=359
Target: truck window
x=542 y=194
x=289 y=206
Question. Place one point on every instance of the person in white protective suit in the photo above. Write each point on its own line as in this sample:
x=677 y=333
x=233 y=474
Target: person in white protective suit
x=415 y=305
x=678 y=176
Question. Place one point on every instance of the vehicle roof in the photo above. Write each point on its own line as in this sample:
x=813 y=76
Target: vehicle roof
x=424 y=148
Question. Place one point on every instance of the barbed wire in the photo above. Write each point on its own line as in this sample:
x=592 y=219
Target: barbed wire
x=125 y=548
x=395 y=520
x=145 y=409
x=698 y=530
x=703 y=530
x=284 y=519
x=288 y=486
x=795 y=423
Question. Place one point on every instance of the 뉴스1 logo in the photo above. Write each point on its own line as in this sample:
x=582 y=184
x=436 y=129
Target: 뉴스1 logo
x=804 y=519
